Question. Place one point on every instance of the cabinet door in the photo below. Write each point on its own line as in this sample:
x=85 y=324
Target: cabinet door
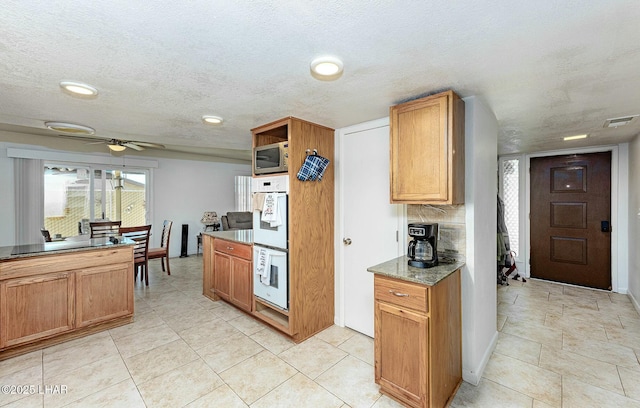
x=222 y=275
x=401 y=353
x=36 y=307
x=419 y=151
x=103 y=293
x=241 y=283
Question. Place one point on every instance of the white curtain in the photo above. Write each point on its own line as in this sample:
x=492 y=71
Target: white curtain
x=243 y=193
x=29 y=188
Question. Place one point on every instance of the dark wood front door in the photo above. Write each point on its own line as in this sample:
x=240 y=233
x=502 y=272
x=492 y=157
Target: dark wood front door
x=570 y=219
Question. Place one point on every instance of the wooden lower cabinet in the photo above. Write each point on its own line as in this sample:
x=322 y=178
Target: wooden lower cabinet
x=241 y=283
x=47 y=299
x=222 y=275
x=227 y=272
x=103 y=293
x=418 y=349
x=36 y=307
x=401 y=336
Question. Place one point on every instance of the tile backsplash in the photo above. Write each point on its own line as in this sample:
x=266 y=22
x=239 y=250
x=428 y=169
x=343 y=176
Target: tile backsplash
x=451 y=225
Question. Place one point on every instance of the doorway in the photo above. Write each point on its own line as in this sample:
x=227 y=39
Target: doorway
x=570 y=218
x=370 y=224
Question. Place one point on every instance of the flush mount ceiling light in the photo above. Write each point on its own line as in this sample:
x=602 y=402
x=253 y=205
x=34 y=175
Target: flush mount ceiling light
x=576 y=137
x=212 y=120
x=70 y=128
x=615 y=122
x=326 y=68
x=78 y=88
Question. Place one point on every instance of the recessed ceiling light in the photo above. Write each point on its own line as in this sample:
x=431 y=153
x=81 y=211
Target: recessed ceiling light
x=212 y=120
x=78 y=88
x=70 y=128
x=576 y=137
x=326 y=68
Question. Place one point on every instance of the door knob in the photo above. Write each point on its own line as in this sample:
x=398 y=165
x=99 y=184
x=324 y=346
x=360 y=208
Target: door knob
x=347 y=241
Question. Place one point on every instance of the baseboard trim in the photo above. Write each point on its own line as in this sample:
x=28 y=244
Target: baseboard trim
x=473 y=376
x=635 y=302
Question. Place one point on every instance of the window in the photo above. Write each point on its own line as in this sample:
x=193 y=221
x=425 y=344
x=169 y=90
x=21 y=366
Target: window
x=510 y=189
x=74 y=195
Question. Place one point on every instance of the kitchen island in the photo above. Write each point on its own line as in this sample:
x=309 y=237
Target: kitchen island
x=418 y=332
x=56 y=291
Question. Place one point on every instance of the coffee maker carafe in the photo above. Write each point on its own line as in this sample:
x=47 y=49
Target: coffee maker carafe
x=422 y=251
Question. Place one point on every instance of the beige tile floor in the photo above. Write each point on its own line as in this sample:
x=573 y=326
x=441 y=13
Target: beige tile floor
x=558 y=346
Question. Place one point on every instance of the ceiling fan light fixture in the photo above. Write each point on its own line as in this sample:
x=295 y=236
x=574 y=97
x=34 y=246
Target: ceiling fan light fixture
x=78 y=88
x=576 y=137
x=326 y=68
x=116 y=147
x=70 y=128
x=212 y=120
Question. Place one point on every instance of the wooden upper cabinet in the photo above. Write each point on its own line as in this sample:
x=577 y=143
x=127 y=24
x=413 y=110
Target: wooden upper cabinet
x=427 y=150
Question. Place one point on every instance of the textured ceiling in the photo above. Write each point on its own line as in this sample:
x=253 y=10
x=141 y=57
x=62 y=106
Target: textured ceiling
x=546 y=69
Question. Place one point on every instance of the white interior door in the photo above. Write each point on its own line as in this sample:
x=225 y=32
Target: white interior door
x=370 y=223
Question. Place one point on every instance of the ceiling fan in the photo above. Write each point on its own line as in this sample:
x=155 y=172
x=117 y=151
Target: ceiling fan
x=117 y=145
x=78 y=131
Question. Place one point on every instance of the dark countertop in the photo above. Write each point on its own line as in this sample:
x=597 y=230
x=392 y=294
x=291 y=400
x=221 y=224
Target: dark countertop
x=240 y=236
x=58 y=247
x=399 y=268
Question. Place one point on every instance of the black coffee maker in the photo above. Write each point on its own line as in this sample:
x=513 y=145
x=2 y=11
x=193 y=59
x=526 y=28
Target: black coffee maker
x=422 y=251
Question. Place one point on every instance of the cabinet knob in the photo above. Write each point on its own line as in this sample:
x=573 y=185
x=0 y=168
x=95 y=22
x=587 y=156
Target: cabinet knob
x=347 y=241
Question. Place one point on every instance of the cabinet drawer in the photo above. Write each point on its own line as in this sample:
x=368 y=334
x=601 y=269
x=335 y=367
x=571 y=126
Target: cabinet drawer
x=233 y=248
x=399 y=293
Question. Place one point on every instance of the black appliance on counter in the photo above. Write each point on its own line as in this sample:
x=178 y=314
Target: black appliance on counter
x=422 y=250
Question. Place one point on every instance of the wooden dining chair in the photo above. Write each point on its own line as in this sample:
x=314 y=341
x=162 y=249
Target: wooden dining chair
x=140 y=250
x=46 y=235
x=101 y=229
x=163 y=251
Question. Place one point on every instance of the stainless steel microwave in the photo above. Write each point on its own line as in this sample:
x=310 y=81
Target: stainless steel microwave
x=271 y=158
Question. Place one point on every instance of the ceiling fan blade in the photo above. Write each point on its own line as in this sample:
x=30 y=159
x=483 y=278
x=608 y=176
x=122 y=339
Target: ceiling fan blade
x=99 y=142
x=133 y=146
x=146 y=144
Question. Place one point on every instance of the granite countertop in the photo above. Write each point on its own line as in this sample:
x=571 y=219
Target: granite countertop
x=240 y=236
x=399 y=268
x=58 y=247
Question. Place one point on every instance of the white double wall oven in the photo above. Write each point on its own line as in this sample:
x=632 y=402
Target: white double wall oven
x=271 y=240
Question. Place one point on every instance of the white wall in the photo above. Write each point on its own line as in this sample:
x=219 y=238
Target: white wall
x=634 y=221
x=479 y=305
x=182 y=191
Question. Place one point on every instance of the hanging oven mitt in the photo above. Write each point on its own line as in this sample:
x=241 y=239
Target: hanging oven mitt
x=321 y=165
x=313 y=168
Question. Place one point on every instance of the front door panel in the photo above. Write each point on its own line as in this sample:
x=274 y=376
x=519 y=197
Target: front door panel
x=570 y=203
